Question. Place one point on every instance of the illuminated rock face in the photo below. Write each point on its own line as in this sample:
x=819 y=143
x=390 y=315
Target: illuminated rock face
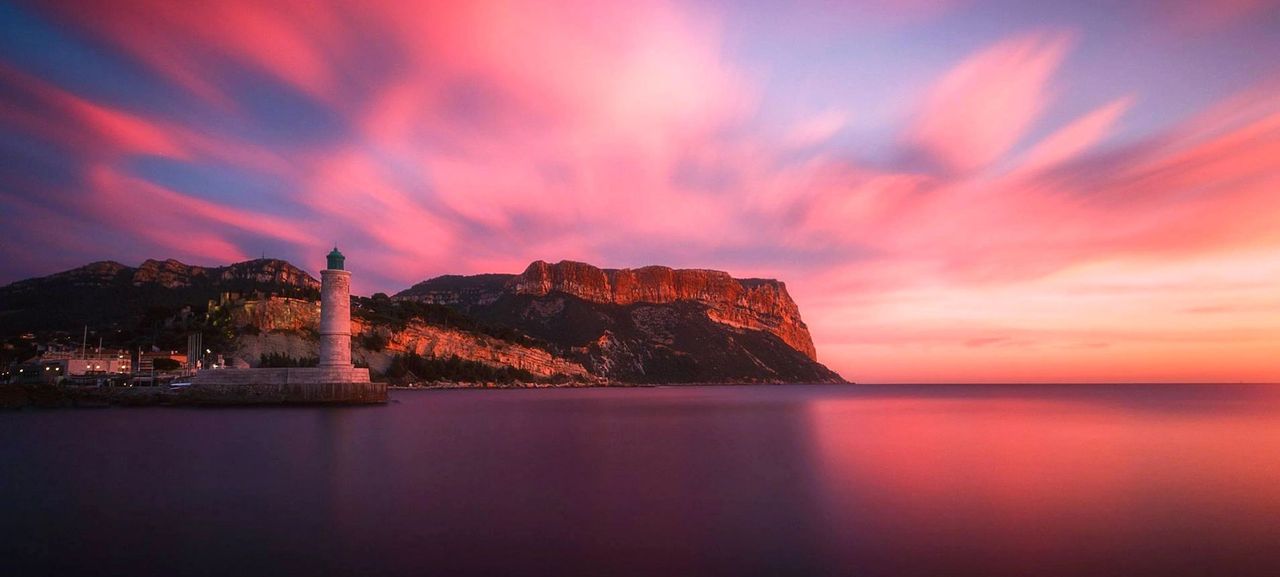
x=335 y=318
x=651 y=325
x=755 y=304
x=758 y=304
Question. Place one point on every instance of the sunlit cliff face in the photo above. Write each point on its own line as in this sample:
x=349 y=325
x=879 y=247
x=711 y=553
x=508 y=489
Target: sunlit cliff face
x=960 y=190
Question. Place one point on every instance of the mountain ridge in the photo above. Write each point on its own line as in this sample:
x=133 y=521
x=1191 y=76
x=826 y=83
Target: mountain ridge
x=753 y=303
x=652 y=324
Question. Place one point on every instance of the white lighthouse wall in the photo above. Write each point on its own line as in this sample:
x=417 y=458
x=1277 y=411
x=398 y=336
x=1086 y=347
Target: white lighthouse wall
x=335 y=318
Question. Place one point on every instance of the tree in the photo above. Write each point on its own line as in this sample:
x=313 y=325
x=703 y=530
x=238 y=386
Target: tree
x=163 y=364
x=373 y=342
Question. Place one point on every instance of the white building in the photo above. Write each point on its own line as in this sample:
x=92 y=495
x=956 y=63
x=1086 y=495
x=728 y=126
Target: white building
x=77 y=363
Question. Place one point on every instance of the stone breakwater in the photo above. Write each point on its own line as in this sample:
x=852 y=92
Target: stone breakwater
x=217 y=394
x=286 y=393
x=287 y=385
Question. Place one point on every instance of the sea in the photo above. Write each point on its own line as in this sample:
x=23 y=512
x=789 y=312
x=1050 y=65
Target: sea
x=786 y=480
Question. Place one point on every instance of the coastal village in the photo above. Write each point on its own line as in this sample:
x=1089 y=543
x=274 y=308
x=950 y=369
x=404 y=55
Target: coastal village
x=58 y=361
x=108 y=367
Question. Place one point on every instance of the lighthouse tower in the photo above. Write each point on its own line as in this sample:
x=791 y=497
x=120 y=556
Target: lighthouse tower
x=335 y=313
x=334 y=381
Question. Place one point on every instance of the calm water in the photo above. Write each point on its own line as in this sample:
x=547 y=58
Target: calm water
x=801 y=480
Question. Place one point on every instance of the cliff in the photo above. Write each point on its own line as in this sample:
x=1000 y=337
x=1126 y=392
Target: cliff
x=758 y=304
x=286 y=327
x=651 y=324
x=562 y=322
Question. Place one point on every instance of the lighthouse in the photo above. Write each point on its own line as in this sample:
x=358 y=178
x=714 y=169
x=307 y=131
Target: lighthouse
x=335 y=381
x=335 y=313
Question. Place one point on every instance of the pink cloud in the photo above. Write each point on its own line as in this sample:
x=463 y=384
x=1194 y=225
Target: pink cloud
x=86 y=126
x=483 y=135
x=174 y=226
x=987 y=103
x=1202 y=190
x=1079 y=136
x=192 y=225
x=1192 y=16
x=104 y=138
x=359 y=195
x=188 y=42
x=598 y=112
x=818 y=128
x=832 y=17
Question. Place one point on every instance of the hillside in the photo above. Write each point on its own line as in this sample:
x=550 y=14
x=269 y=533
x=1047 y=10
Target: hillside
x=562 y=321
x=653 y=324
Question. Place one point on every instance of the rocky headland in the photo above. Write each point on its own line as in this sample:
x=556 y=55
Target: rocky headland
x=651 y=324
x=555 y=324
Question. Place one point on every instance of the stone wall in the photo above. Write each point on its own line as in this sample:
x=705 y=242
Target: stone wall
x=285 y=385
x=291 y=375
x=287 y=393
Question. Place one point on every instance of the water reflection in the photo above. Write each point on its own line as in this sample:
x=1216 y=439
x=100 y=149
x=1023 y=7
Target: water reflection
x=704 y=481
x=1001 y=481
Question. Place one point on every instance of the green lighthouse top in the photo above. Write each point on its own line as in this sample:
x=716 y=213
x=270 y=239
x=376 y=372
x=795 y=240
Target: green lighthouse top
x=336 y=259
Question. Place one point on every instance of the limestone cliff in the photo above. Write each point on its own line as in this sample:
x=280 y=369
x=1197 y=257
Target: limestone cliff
x=651 y=324
x=759 y=304
x=287 y=327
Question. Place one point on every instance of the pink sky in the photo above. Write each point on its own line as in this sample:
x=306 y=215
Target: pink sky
x=953 y=191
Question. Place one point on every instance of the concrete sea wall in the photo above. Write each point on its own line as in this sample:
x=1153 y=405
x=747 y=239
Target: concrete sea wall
x=287 y=394
x=332 y=385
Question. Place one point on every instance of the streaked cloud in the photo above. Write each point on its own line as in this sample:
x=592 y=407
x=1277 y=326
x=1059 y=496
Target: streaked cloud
x=986 y=104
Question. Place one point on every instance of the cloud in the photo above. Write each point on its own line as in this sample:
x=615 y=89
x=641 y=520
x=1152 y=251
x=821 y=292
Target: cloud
x=1017 y=236
x=1075 y=138
x=1192 y=17
x=82 y=125
x=198 y=46
x=817 y=129
x=987 y=103
x=474 y=137
x=476 y=120
x=194 y=227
